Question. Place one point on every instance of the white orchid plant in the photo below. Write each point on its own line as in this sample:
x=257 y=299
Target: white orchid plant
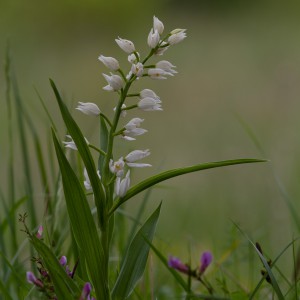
x=108 y=180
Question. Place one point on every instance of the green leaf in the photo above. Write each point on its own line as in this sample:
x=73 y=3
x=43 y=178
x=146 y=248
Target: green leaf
x=135 y=259
x=145 y=184
x=86 y=156
x=64 y=286
x=83 y=226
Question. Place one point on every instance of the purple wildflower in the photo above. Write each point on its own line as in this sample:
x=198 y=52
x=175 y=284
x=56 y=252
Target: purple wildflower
x=40 y=232
x=33 y=280
x=176 y=264
x=206 y=259
x=85 y=294
x=63 y=261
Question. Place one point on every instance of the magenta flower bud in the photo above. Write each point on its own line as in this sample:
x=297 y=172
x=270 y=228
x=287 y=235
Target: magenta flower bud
x=206 y=259
x=86 y=291
x=40 y=232
x=63 y=261
x=33 y=280
x=176 y=264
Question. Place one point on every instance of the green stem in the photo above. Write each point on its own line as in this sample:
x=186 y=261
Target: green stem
x=97 y=149
x=106 y=119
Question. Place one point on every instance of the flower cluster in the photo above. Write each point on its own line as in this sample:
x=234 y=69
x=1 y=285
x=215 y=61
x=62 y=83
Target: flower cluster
x=205 y=261
x=117 y=81
x=45 y=285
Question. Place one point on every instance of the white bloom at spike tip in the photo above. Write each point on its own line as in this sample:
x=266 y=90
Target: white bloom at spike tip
x=125 y=45
x=117 y=167
x=109 y=62
x=89 y=108
x=149 y=104
x=177 y=35
x=71 y=144
x=137 y=69
x=115 y=82
x=159 y=74
x=135 y=155
x=166 y=66
x=153 y=38
x=132 y=128
x=122 y=186
x=158 y=25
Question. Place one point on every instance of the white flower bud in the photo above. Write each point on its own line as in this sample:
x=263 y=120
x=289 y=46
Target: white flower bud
x=110 y=62
x=166 y=66
x=125 y=45
x=89 y=108
x=71 y=144
x=159 y=74
x=158 y=25
x=135 y=155
x=177 y=35
x=137 y=69
x=133 y=129
x=115 y=82
x=149 y=93
x=123 y=112
x=153 y=38
x=132 y=58
x=122 y=186
x=149 y=104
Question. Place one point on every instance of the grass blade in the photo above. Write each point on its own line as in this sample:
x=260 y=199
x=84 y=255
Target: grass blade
x=177 y=172
x=83 y=226
x=135 y=259
x=266 y=265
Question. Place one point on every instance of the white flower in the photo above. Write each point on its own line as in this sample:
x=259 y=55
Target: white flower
x=162 y=49
x=158 y=25
x=135 y=155
x=122 y=186
x=157 y=73
x=149 y=93
x=71 y=144
x=153 y=38
x=125 y=45
x=149 y=104
x=137 y=69
x=166 y=66
x=115 y=82
x=132 y=58
x=123 y=112
x=117 y=167
x=110 y=62
x=87 y=182
x=177 y=35
x=89 y=108
x=132 y=128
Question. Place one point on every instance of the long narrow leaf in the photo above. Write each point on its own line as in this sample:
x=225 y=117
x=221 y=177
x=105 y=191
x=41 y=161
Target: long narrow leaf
x=84 y=228
x=177 y=172
x=85 y=154
x=135 y=259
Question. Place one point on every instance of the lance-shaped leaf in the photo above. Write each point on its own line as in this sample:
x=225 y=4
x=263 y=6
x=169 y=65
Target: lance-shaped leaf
x=64 y=286
x=85 y=154
x=83 y=226
x=135 y=259
x=145 y=184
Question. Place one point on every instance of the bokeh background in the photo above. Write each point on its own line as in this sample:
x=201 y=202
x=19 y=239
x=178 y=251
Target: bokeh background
x=239 y=65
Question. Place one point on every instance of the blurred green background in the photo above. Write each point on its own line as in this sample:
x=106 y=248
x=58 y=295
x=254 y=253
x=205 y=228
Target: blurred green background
x=241 y=60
